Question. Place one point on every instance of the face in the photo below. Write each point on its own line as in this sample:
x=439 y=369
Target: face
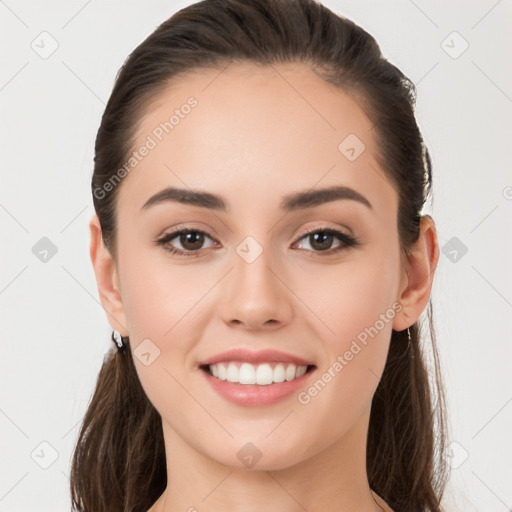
x=314 y=279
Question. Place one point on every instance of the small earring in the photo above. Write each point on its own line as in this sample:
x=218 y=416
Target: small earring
x=409 y=345
x=118 y=340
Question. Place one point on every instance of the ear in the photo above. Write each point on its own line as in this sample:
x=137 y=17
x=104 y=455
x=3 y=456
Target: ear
x=417 y=280
x=106 y=279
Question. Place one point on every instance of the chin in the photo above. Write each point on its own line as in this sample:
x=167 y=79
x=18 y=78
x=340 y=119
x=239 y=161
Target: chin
x=251 y=457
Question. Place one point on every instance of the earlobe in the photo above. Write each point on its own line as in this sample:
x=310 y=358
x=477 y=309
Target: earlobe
x=106 y=278
x=421 y=265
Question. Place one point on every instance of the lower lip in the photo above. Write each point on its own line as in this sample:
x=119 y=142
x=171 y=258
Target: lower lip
x=253 y=395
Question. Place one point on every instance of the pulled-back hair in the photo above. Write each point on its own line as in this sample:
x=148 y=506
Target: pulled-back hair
x=119 y=462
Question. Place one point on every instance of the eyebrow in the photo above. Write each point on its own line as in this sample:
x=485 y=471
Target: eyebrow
x=291 y=202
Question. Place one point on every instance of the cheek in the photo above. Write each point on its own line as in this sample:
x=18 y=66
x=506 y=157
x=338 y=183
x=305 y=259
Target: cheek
x=357 y=315
x=353 y=299
x=160 y=298
x=162 y=304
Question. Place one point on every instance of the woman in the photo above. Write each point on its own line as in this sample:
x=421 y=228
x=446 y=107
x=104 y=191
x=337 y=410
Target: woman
x=261 y=255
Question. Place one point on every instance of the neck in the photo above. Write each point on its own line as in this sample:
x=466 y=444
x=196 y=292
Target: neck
x=333 y=479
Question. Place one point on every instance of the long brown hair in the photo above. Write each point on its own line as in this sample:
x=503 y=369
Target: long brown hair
x=119 y=460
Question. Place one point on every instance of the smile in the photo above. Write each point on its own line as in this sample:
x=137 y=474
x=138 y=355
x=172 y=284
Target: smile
x=261 y=374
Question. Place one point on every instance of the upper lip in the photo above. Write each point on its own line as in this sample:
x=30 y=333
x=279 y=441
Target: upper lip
x=260 y=356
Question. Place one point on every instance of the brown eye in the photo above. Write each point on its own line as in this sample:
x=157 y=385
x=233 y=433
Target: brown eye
x=191 y=241
x=321 y=241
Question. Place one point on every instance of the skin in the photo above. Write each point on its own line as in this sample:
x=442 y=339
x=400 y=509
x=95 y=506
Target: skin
x=253 y=140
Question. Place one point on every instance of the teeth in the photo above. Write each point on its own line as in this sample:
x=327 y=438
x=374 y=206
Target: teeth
x=262 y=374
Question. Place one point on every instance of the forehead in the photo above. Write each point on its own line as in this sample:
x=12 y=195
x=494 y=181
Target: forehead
x=265 y=129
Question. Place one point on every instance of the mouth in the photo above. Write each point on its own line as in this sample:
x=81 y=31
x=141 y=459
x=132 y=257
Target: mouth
x=263 y=374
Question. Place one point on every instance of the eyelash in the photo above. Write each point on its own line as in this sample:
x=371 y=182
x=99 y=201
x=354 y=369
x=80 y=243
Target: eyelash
x=347 y=241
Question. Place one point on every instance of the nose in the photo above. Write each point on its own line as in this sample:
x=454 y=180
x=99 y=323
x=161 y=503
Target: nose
x=256 y=295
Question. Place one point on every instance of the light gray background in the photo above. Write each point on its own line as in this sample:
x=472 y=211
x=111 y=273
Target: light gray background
x=54 y=331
